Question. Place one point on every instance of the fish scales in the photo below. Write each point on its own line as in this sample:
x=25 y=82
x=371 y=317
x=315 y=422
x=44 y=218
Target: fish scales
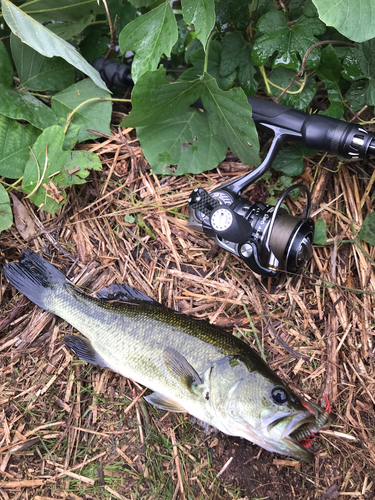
x=190 y=364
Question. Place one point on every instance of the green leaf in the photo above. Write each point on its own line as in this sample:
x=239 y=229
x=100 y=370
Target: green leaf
x=6 y=216
x=359 y=64
x=149 y=36
x=185 y=141
x=356 y=96
x=200 y=13
x=15 y=140
x=320 y=235
x=141 y=3
x=6 y=68
x=124 y=11
x=289 y=42
x=183 y=33
x=37 y=72
x=95 y=115
x=197 y=58
x=236 y=54
x=155 y=100
x=94 y=45
x=63 y=10
x=71 y=135
x=299 y=100
x=233 y=13
x=62 y=169
x=290 y=160
x=45 y=42
x=229 y=114
x=354 y=20
x=23 y=106
x=367 y=232
x=66 y=31
x=329 y=72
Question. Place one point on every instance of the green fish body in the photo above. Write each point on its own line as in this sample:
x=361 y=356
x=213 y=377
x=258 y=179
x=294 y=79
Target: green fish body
x=190 y=365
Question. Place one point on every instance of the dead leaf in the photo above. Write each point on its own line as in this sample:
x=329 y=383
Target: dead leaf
x=24 y=223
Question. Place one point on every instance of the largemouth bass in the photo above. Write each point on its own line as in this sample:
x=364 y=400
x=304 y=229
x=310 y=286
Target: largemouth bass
x=191 y=365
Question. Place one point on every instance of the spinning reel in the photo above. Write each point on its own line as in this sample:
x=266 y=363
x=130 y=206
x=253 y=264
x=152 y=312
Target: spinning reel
x=265 y=237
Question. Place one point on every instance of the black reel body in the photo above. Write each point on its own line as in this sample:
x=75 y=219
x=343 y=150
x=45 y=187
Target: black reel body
x=265 y=237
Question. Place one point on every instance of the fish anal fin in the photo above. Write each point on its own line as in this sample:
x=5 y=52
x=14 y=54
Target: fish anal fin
x=84 y=349
x=124 y=293
x=181 y=369
x=164 y=402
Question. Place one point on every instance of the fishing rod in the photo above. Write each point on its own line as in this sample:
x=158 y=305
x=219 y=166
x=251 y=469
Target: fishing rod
x=265 y=237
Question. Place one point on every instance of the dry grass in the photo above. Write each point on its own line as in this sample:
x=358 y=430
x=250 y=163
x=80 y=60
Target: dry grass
x=69 y=430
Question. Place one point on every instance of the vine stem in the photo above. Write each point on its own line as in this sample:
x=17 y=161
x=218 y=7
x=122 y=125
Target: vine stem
x=206 y=52
x=70 y=115
x=293 y=92
x=303 y=67
x=11 y=186
x=266 y=81
x=112 y=29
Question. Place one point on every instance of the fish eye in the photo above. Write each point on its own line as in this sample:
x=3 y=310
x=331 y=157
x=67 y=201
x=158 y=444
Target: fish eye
x=279 y=395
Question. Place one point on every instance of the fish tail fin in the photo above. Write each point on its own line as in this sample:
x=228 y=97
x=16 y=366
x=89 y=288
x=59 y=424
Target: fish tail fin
x=34 y=277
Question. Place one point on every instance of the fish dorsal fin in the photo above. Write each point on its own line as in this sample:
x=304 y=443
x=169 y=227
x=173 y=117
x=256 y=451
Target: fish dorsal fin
x=164 y=402
x=84 y=349
x=181 y=369
x=124 y=293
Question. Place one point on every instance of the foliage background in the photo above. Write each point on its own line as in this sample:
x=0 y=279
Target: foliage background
x=216 y=50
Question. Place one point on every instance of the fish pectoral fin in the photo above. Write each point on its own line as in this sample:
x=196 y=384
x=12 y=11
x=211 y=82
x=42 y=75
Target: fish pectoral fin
x=84 y=349
x=124 y=293
x=164 y=402
x=181 y=369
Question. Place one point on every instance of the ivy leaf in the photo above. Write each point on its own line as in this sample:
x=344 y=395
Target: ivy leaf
x=71 y=135
x=289 y=42
x=232 y=12
x=356 y=95
x=236 y=54
x=6 y=216
x=66 y=31
x=329 y=72
x=230 y=117
x=186 y=141
x=94 y=45
x=155 y=100
x=290 y=160
x=45 y=41
x=197 y=58
x=359 y=64
x=37 y=72
x=355 y=21
x=149 y=36
x=63 y=10
x=23 y=106
x=300 y=99
x=320 y=234
x=367 y=231
x=95 y=115
x=15 y=140
x=6 y=68
x=200 y=13
x=46 y=177
x=141 y=3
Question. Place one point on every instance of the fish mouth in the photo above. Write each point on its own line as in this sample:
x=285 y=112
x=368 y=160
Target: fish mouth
x=294 y=432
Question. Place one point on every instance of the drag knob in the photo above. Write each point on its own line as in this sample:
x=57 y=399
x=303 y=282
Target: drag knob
x=229 y=225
